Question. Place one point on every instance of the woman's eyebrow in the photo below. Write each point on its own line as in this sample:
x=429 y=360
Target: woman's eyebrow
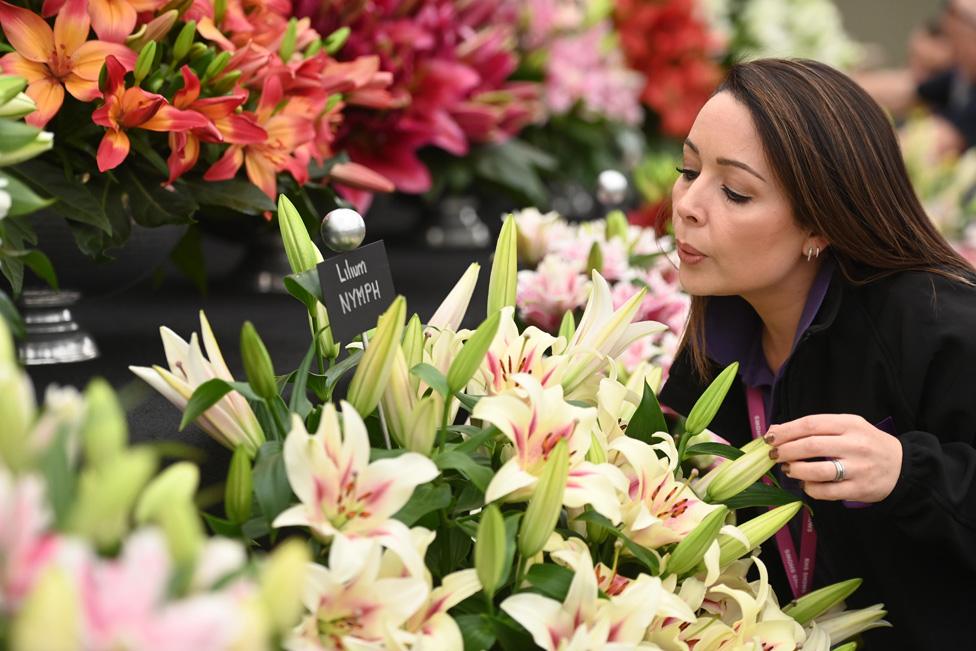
x=726 y=161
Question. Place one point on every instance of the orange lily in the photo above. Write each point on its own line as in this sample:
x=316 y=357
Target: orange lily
x=286 y=132
x=51 y=61
x=112 y=20
x=129 y=108
x=227 y=125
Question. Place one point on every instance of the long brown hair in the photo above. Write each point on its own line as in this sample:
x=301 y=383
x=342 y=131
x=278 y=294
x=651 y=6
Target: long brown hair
x=835 y=154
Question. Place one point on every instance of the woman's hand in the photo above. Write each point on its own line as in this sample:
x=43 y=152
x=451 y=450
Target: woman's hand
x=871 y=458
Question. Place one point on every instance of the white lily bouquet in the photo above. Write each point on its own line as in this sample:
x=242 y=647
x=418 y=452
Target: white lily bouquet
x=559 y=257
x=495 y=488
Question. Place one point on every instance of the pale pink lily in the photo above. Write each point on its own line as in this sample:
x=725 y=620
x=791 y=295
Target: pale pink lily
x=536 y=233
x=583 y=621
x=342 y=494
x=660 y=510
x=231 y=421
x=26 y=546
x=125 y=603
x=512 y=352
x=544 y=295
x=535 y=419
x=353 y=605
x=603 y=334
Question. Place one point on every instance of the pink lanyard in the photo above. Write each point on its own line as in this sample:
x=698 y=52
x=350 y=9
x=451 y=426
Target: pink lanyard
x=799 y=571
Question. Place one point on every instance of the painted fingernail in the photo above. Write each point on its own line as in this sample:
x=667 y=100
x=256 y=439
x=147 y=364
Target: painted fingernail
x=773 y=453
x=769 y=438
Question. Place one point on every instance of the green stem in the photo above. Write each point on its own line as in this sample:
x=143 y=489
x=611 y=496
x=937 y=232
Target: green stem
x=519 y=571
x=442 y=434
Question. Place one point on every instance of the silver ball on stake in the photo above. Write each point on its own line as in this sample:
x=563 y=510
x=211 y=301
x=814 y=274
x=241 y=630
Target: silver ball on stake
x=611 y=188
x=343 y=229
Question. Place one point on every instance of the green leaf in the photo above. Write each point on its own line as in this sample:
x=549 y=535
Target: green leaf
x=335 y=373
x=433 y=377
x=449 y=551
x=41 y=265
x=716 y=449
x=204 y=397
x=187 y=255
x=306 y=287
x=478 y=474
x=468 y=400
x=245 y=390
x=75 y=200
x=23 y=200
x=475 y=441
x=9 y=312
x=237 y=195
x=551 y=580
x=140 y=144
x=271 y=485
x=514 y=165
x=221 y=527
x=646 y=556
x=59 y=477
x=760 y=495
x=466 y=364
x=154 y=205
x=425 y=499
x=648 y=419
x=510 y=635
x=299 y=402
x=476 y=631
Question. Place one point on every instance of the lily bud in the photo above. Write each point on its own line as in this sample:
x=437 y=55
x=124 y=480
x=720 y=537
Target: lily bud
x=43 y=141
x=422 y=428
x=178 y=483
x=301 y=251
x=504 y=268
x=567 y=327
x=216 y=66
x=688 y=553
x=184 y=41
x=757 y=530
x=17 y=412
x=106 y=495
x=197 y=51
x=17 y=107
x=413 y=342
x=546 y=502
x=220 y=8
x=616 y=225
x=733 y=477
x=239 y=487
x=225 y=82
x=816 y=603
x=183 y=530
x=489 y=550
x=472 y=354
x=707 y=405
x=282 y=578
x=288 y=41
x=50 y=617
x=324 y=341
x=849 y=623
x=335 y=40
x=452 y=309
x=10 y=87
x=850 y=646
x=594 y=261
x=154 y=30
x=313 y=48
x=104 y=432
x=8 y=354
x=257 y=363
x=371 y=376
x=597 y=453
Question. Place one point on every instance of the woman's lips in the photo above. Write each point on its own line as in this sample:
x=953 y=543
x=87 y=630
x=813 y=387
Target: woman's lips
x=689 y=254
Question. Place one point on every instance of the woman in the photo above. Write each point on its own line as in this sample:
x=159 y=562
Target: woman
x=812 y=264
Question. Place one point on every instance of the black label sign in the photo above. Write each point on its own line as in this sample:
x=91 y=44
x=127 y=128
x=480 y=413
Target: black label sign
x=357 y=288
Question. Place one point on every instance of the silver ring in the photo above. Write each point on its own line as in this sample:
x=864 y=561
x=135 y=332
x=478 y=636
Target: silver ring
x=838 y=470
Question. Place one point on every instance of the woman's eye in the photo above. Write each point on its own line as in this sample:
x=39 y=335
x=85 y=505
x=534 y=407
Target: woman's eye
x=734 y=196
x=689 y=174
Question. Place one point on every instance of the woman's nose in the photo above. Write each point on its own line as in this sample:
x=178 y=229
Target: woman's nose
x=687 y=206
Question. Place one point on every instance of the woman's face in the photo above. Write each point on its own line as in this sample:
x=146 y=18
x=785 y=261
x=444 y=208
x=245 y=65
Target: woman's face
x=733 y=222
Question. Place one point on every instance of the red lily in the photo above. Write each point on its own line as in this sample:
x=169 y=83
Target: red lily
x=286 y=132
x=51 y=61
x=226 y=125
x=131 y=108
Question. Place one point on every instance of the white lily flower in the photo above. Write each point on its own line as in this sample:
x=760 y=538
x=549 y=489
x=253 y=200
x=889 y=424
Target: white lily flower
x=846 y=624
x=660 y=510
x=351 y=605
x=584 y=621
x=451 y=311
x=342 y=493
x=512 y=352
x=535 y=419
x=230 y=421
x=603 y=333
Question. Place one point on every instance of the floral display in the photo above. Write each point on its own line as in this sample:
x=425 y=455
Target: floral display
x=558 y=256
x=161 y=109
x=469 y=491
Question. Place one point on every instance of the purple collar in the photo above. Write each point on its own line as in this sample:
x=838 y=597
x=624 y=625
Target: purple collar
x=732 y=330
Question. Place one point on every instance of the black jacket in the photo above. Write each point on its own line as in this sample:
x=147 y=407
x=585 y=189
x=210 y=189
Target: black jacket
x=903 y=347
